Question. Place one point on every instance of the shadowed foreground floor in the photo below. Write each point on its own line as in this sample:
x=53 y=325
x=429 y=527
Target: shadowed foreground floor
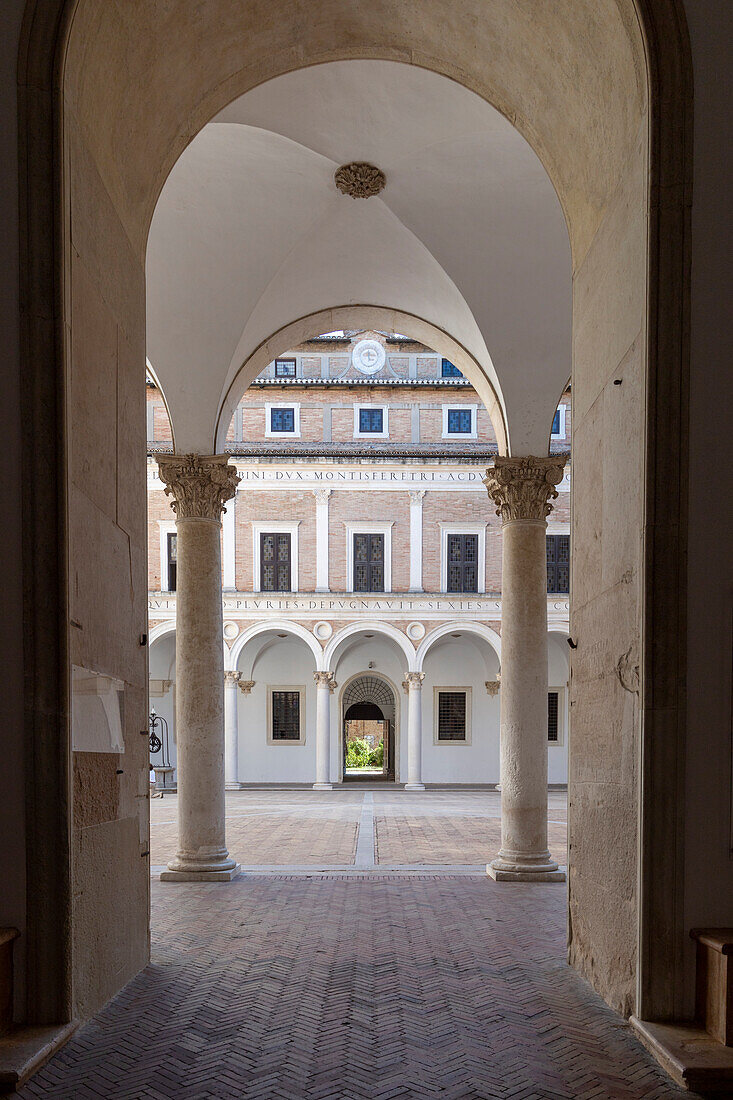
x=385 y=986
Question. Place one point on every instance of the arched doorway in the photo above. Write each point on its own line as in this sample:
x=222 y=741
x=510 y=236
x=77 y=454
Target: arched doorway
x=368 y=729
x=103 y=271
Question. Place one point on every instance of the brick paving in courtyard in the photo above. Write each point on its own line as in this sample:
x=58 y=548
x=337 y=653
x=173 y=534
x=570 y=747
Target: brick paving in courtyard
x=327 y=986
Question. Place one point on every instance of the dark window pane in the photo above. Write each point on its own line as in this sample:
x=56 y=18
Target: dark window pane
x=449 y=371
x=275 y=562
x=172 y=561
x=451 y=716
x=459 y=421
x=368 y=563
x=286 y=715
x=371 y=420
x=282 y=420
x=558 y=563
x=556 y=423
x=285 y=368
x=552 y=712
x=462 y=563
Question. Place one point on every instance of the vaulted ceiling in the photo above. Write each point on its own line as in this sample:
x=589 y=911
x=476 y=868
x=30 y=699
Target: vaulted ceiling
x=250 y=234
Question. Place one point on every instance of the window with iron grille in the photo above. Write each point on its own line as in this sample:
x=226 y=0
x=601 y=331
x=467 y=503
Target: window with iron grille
x=451 y=716
x=460 y=421
x=368 y=563
x=553 y=728
x=172 y=555
x=285 y=368
x=275 y=562
x=371 y=420
x=282 y=420
x=462 y=569
x=558 y=563
x=286 y=716
x=447 y=370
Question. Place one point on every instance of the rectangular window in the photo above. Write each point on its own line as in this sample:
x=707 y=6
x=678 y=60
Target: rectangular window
x=553 y=729
x=371 y=420
x=282 y=420
x=172 y=560
x=460 y=421
x=286 y=716
x=275 y=562
x=451 y=716
x=285 y=368
x=558 y=563
x=368 y=563
x=462 y=563
x=447 y=370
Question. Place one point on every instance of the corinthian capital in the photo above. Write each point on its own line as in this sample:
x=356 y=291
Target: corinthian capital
x=413 y=681
x=325 y=679
x=200 y=485
x=522 y=488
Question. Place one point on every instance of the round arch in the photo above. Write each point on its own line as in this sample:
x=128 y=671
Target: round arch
x=385 y=629
x=477 y=629
x=159 y=631
x=483 y=378
x=281 y=626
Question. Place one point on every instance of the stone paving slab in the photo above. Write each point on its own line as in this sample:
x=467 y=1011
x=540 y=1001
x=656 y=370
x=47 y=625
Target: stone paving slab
x=449 y=839
x=376 y=988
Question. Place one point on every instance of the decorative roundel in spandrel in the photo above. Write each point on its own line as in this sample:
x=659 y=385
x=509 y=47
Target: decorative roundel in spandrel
x=368 y=356
x=415 y=631
x=323 y=631
x=231 y=630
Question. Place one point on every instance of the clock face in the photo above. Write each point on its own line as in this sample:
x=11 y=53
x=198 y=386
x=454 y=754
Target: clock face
x=368 y=356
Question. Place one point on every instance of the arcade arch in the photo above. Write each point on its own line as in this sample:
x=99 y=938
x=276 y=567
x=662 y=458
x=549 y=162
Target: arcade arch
x=629 y=66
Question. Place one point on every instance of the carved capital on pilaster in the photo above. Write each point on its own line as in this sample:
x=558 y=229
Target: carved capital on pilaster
x=245 y=686
x=200 y=485
x=413 y=681
x=322 y=495
x=492 y=687
x=522 y=488
x=231 y=677
x=416 y=495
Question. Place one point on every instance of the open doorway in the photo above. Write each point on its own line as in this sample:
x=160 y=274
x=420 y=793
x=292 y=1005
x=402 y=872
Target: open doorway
x=368 y=730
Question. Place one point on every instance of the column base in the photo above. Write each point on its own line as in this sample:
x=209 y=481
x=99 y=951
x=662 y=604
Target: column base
x=414 y=786
x=225 y=875
x=323 y=786
x=504 y=870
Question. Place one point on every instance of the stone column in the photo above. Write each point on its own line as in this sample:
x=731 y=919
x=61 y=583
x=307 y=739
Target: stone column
x=322 y=495
x=416 y=499
x=522 y=489
x=413 y=685
x=231 y=732
x=324 y=686
x=199 y=486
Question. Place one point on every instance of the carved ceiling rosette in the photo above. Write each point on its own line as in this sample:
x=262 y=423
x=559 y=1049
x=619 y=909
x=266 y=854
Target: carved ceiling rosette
x=200 y=485
x=359 y=179
x=523 y=488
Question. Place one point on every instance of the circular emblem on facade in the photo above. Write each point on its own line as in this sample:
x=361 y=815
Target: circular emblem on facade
x=368 y=356
x=323 y=631
x=231 y=630
x=415 y=631
x=359 y=179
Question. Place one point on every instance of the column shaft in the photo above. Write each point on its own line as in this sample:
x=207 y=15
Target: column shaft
x=414 y=731
x=231 y=731
x=199 y=486
x=521 y=488
x=324 y=687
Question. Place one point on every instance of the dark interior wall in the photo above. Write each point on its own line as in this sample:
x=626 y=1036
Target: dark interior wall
x=12 y=771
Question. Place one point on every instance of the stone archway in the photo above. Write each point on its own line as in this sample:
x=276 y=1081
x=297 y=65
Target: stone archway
x=99 y=268
x=375 y=691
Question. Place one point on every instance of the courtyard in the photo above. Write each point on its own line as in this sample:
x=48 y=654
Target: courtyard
x=362 y=953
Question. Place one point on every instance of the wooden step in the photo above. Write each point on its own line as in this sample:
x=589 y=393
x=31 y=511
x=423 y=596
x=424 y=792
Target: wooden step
x=7 y=938
x=714 y=982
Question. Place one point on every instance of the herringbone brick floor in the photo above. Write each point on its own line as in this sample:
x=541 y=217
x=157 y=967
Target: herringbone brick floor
x=336 y=988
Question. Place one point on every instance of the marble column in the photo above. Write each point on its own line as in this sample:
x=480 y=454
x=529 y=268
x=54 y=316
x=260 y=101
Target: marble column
x=231 y=731
x=199 y=486
x=413 y=682
x=522 y=489
x=324 y=686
